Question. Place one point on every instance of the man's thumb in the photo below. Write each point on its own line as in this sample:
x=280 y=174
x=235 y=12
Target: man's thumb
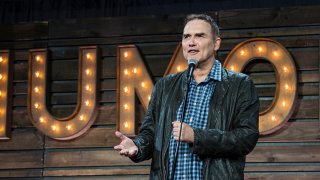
x=120 y=135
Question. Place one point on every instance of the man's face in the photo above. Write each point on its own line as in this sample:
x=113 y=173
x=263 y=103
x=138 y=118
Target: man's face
x=198 y=42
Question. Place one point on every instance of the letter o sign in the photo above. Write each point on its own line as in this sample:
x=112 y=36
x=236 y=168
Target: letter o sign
x=281 y=109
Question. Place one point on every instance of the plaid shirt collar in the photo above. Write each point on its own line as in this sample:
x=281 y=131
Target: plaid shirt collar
x=214 y=74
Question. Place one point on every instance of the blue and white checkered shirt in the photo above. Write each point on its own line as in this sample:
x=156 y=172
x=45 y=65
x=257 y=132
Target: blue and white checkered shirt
x=189 y=166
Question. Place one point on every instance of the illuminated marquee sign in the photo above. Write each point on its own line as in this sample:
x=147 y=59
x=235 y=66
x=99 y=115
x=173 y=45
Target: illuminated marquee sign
x=84 y=115
x=133 y=78
x=5 y=94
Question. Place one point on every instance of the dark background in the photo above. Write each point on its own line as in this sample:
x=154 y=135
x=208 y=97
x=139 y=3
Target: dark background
x=13 y=11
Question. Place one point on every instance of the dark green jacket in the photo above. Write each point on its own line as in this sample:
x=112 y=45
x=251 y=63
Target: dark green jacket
x=231 y=133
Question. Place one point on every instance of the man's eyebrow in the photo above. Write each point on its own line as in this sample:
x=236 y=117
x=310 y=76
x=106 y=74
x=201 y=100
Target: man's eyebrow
x=197 y=34
x=200 y=34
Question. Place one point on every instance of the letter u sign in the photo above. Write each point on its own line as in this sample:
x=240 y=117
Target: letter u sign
x=84 y=115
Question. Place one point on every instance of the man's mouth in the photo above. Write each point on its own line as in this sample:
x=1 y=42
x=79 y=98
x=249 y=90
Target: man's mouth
x=193 y=51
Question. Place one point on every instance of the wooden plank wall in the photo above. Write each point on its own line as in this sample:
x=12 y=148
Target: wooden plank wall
x=292 y=153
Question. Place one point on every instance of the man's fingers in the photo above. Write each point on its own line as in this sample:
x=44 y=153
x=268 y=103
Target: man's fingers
x=118 y=147
x=176 y=124
x=124 y=152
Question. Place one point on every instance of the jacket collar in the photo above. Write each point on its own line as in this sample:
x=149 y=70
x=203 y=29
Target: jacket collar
x=221 y=87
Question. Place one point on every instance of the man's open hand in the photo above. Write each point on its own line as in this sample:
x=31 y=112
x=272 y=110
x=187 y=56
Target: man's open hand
x=126 y=147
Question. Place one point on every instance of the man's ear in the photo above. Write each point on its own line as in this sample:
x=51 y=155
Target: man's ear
x=217 y=43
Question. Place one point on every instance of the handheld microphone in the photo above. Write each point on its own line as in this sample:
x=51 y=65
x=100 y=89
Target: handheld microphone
x=192 y=64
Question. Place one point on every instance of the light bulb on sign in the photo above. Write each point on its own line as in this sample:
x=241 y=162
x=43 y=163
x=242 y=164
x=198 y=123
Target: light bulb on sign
x=242 y=52
x=87 y=103
x=88 y=56
x=149 y=98
x=179 y=68
x=126 y=72
x=88 y=88
x=126 y=89
x=41 y=119
x=143 y=84
x=36 y=105
x=286 y=86
x=126 y=125
x=260 y=49
x=232 y=68
x=1 y=77
x=126 y=106
x=81 y=118
x=273 y=118
x=88 y=71
x=275 y=53
x=69 y=127
x=285 y=69
x=36 y=89
x=125 y=54
x=0 y=93
x=284 y=104
x=37 y=74
x=38 y=58
x=135 y=70
x=54 y=127
x=1 y=59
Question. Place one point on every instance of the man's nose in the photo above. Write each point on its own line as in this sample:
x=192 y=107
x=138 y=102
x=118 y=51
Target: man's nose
x=192 y=42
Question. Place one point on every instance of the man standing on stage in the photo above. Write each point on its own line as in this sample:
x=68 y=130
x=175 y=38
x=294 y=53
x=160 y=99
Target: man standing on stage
x=221 y=121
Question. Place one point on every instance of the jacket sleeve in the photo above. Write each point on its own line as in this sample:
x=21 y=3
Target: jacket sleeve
x=242 y=138
x=145 y=138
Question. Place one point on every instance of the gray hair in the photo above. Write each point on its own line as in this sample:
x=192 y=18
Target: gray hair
x=206 y=18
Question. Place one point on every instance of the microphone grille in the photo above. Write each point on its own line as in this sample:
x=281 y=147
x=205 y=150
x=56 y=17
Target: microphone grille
x=192 y=62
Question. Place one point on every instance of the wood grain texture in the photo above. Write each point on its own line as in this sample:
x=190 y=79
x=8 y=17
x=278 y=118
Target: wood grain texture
x=95 y=137
x=85 y=158
x=101 y=171
x=26 y=139
x=22 y=173
x=115 y=26
x=269 y=17
x=289 y=153
x=21 y=159
x=283 y=175
x=281 y=167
